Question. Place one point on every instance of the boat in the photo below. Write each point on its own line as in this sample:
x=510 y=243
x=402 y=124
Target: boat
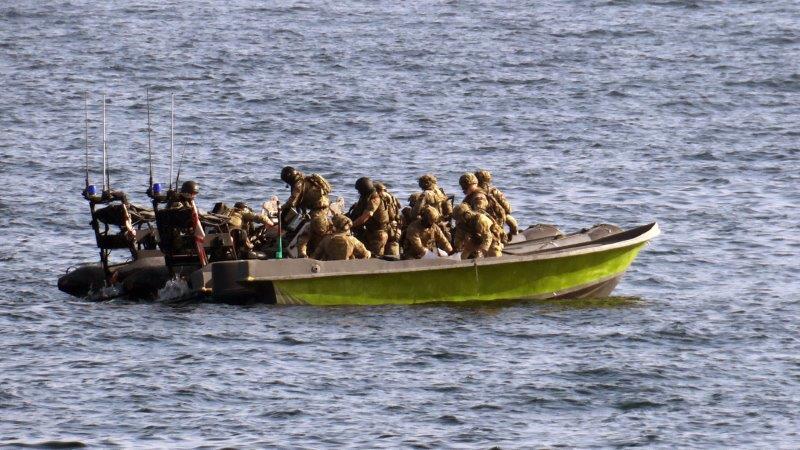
x=544 y=264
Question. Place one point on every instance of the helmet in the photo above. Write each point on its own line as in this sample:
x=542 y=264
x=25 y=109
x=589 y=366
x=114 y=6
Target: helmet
x=467 y=180
x=413 y=198
x=190 y=187
x=287 y=174
x=484 y=176
x=220 y=208
x=364 y=186
x=241 y=205
x=461 y=211
x=426 y=181
x=379 y=186
x=429 y=215
x=341 y=222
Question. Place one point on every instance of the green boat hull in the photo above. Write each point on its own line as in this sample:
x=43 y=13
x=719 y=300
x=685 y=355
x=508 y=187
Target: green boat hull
x=591 y=273
x=580 y=266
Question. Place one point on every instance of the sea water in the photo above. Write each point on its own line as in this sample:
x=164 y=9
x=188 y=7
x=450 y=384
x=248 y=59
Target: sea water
x=618 y=111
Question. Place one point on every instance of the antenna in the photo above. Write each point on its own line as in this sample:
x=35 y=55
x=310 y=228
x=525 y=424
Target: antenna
x=172 y=139
x=106 y=181
x=149 y=146
x=180 y=162
x=86 y=134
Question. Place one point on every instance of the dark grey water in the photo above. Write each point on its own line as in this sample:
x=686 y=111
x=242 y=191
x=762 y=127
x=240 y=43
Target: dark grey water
x=683 y=112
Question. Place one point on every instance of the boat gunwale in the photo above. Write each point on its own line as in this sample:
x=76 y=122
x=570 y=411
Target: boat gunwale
x=649 y=231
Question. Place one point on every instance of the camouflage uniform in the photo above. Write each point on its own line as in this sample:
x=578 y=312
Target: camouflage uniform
x=340 y=245
x=478 y=200
x=425 y=234
x=309 y=194
x=240 y=221
x=502 y=206
x=181 y=201
x=372 y=214
x=241 y=217
x=184 y=198
x=433 y=195
x=392 y=205
x=476 y=234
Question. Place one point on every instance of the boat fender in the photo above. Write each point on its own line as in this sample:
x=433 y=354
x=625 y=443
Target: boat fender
x=81 y=281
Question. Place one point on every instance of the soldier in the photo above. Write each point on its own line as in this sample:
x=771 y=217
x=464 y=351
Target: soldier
x=309 y=194
x=185 y=198
x=340 y=244
x=371 y=213
x=502 y=205
x=424 y=234
x=406 y=214
x=476 y=234
x=393 y=209
x=241 y=219
x=433 y=195
x=474 y=197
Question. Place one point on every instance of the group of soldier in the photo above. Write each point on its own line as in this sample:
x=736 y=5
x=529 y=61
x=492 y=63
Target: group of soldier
x=378 y=226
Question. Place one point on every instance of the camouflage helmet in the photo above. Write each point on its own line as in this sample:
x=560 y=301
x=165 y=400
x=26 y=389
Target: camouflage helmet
x=461 y=211
x=429 y=215
x=341 y=222
x=379 y=186
x=288 y=174
x=241 y=205
x=484 y=176
x=190 y=187
x=426 y=181
x=364 y=185
x=414 y=198
x=468 y=179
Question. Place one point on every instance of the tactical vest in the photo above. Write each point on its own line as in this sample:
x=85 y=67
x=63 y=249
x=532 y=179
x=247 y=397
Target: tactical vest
x=472 y=227
x=495 y=211
x=315 y=192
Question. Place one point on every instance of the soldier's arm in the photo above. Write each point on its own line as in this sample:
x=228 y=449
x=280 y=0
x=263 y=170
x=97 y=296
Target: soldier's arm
x=502 y=200
x=294 y=197
x=373 y=204
x=484 y=231
x=442 y=241
x=415 y=245
x=359 y=250
x=458 y=238
x=257 y=218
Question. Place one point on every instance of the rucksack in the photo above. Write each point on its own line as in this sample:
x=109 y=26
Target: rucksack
x=320 y=183
x=391 y=205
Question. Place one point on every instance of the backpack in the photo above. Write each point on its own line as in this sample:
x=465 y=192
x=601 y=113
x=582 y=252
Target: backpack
x=320 y=183
x=391 y=205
